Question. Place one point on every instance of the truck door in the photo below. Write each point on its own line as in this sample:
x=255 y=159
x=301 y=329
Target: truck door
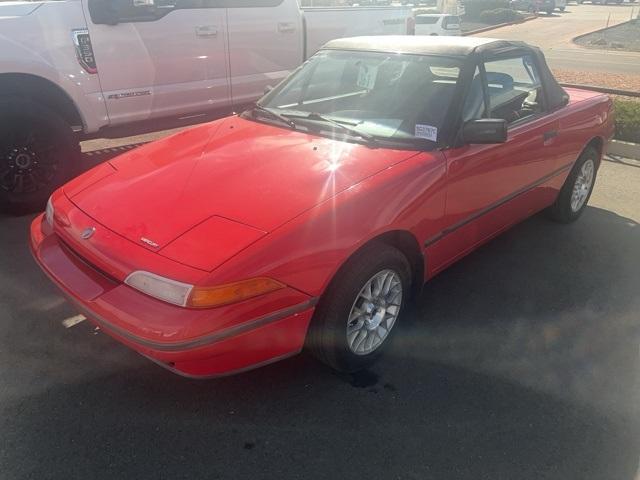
x=158 y=58
x=265 y=44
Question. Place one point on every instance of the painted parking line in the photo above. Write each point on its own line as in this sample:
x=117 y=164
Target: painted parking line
x=72 y=321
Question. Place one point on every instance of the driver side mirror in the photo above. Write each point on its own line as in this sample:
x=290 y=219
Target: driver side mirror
x=485 y=130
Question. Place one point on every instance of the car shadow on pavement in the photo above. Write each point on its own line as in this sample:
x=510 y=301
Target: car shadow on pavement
x=520 y=361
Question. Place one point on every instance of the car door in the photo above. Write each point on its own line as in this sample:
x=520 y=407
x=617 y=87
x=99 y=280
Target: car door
x=265 y=44
x=490 y=187
x=158 y=58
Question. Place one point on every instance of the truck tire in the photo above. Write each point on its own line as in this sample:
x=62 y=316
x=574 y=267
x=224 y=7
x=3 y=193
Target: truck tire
x=356 y=316
x=576 y=191
x=38 y=152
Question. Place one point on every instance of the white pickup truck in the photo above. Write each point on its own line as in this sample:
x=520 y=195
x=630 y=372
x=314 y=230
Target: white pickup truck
x=72 y=69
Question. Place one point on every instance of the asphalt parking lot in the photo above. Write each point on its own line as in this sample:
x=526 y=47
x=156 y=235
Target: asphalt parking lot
x=519 y=362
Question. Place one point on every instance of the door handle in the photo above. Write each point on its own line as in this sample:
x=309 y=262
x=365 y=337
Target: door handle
x=207 y=31
x=546 y=136
x=286 y=27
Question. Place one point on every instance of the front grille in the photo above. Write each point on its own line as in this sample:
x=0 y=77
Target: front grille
x=73 y=253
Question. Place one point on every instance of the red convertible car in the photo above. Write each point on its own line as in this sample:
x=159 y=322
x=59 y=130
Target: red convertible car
x=313 y=217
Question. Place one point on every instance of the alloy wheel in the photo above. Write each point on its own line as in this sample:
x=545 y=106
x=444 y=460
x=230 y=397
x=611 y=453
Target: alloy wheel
x=29 y=162
x=374 y=312
x=583 y=184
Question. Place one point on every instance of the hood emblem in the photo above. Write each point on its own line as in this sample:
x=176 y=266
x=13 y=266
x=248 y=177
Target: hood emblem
x=151 y=243
x=87 y=233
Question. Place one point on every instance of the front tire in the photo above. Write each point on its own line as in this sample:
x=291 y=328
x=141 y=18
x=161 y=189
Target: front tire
x=38 y=153
x=359 y=312
x=577 y=188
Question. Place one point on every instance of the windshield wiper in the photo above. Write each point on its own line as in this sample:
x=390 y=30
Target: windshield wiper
x=273 y=114
x=370 y=139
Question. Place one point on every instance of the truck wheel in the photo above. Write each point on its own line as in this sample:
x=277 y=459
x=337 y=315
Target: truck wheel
x=356 y=317
x=38 y=153
x=561 y=9
x=577 y=188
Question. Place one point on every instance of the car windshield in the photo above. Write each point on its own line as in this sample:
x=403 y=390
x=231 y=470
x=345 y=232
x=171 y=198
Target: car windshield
x=386 y=96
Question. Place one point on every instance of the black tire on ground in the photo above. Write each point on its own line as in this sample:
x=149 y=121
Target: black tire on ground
x=327 y=335
x=562 y=9
x=38 y=152
x=561 y=210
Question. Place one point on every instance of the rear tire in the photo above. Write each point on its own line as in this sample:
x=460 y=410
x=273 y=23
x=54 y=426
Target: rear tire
x=38 y=152
x=575 y=193
x=349 y=316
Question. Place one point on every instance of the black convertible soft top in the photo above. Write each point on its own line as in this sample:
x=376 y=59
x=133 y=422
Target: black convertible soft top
x=474 y=48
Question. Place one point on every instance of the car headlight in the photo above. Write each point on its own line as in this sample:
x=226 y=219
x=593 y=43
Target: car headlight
x=159 y=287
x=48 y=213
x=186 y=295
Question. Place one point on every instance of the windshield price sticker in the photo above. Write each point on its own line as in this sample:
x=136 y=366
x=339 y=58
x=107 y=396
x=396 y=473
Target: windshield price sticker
x=426 y=131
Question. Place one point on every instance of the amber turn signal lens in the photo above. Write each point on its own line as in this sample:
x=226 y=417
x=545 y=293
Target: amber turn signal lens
x=207 y=297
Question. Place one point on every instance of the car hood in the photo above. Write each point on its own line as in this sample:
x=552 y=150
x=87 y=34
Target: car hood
x=234 y=169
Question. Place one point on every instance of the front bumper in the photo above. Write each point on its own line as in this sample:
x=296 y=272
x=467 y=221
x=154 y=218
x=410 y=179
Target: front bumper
x=190 y=342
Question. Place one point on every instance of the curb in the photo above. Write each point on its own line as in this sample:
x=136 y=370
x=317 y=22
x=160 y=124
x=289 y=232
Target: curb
x=597 y=88
x=624 y=149
x=500 y=25
x=573 y=40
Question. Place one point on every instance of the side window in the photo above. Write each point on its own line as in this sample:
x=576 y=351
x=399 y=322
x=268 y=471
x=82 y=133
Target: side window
x=111 y=12
x=474 y=106
x=248 y=3
x=425 y=20
x=514 y=88
x=451 y=23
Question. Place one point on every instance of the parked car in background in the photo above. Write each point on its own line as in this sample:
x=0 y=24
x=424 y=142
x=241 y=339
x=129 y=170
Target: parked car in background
x=312 y=218
x=79 y=68
x=437 y=24
x=601 y=2
x=534 y=6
